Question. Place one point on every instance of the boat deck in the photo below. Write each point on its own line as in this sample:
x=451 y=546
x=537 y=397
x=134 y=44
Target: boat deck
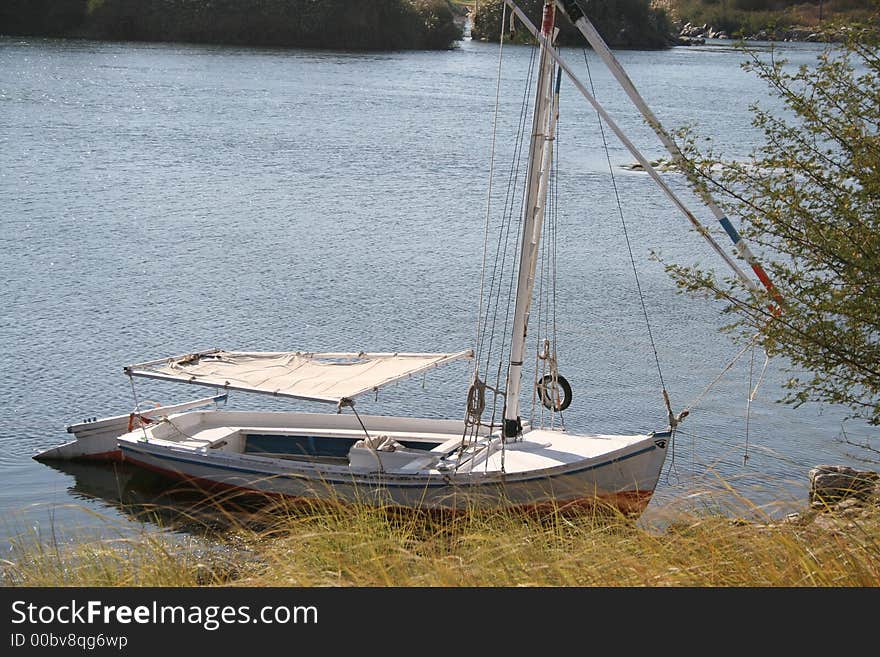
x=330 y=439
x=311 y=438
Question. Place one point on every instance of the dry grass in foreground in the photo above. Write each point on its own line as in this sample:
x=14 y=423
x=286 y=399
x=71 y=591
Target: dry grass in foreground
x=329 y=545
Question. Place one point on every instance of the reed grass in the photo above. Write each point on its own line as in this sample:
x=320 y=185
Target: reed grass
x=327 y=544
x=149 y=559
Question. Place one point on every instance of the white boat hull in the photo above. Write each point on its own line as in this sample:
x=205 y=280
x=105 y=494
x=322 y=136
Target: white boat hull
x=95 y=441
x=621 y=473
x=587 y=487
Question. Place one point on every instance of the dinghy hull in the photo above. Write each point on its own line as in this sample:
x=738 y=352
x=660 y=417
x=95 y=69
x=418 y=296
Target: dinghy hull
x=96 y=439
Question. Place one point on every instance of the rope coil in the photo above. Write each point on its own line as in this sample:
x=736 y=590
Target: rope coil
x=476 y=400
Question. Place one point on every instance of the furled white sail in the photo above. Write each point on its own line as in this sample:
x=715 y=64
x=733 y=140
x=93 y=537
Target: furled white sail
x=325 y=377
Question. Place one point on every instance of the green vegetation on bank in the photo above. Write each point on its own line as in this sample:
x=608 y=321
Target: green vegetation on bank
x=774 y=18
x=328 y=545
x=330 y=24
x=808 y=200
x=622 y=23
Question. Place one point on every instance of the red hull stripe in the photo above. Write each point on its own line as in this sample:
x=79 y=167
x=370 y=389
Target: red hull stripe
x=114 y=456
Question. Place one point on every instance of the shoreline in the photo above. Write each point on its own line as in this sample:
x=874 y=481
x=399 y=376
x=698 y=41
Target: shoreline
x=281 y=544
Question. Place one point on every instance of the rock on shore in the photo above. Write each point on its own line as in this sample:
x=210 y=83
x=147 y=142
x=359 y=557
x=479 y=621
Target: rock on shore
x=831 y=484
x=691 y=35
x=841 y=498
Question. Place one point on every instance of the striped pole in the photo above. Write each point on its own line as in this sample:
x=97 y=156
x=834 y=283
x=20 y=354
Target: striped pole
x=576 y=15
x=640 y=158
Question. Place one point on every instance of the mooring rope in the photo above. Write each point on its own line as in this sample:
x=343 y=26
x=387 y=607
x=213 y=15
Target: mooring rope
x=137 y=406
x=721 y=374
x=753 y=391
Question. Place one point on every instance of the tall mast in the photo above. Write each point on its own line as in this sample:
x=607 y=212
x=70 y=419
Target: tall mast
x=540 y=151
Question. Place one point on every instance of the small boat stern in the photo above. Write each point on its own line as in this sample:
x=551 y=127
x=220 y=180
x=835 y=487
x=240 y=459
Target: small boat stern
x=96 y=439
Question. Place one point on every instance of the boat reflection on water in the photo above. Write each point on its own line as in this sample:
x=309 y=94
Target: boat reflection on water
x=178 y=506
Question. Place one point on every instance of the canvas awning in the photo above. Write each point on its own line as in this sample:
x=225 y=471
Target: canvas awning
x=325 y=377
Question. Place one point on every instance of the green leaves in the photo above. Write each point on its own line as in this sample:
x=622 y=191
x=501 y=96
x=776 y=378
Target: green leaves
x=622 y=23
x=334 y=24
x=809 y=200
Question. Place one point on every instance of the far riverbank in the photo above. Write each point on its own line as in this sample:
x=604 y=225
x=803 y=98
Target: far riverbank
x=760 y=20
x=330 y=24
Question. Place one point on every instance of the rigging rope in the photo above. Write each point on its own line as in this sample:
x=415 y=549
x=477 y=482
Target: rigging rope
x=508 y=219
x=487 y=337
x=368 y=441
x=673 y=419
x=490 y=301
x=489 y=194
x=501 y=251
x=137 y=406
x=546 y=348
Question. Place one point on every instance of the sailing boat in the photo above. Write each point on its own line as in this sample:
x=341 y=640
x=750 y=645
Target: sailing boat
x=408 y=462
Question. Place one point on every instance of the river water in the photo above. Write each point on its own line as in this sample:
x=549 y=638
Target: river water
x=157 y=199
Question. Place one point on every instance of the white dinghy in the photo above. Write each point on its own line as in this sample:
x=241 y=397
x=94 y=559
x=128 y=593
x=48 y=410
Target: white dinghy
x=95 y=439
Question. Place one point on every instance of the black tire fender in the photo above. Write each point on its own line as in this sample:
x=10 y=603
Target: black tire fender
x=545 y=386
